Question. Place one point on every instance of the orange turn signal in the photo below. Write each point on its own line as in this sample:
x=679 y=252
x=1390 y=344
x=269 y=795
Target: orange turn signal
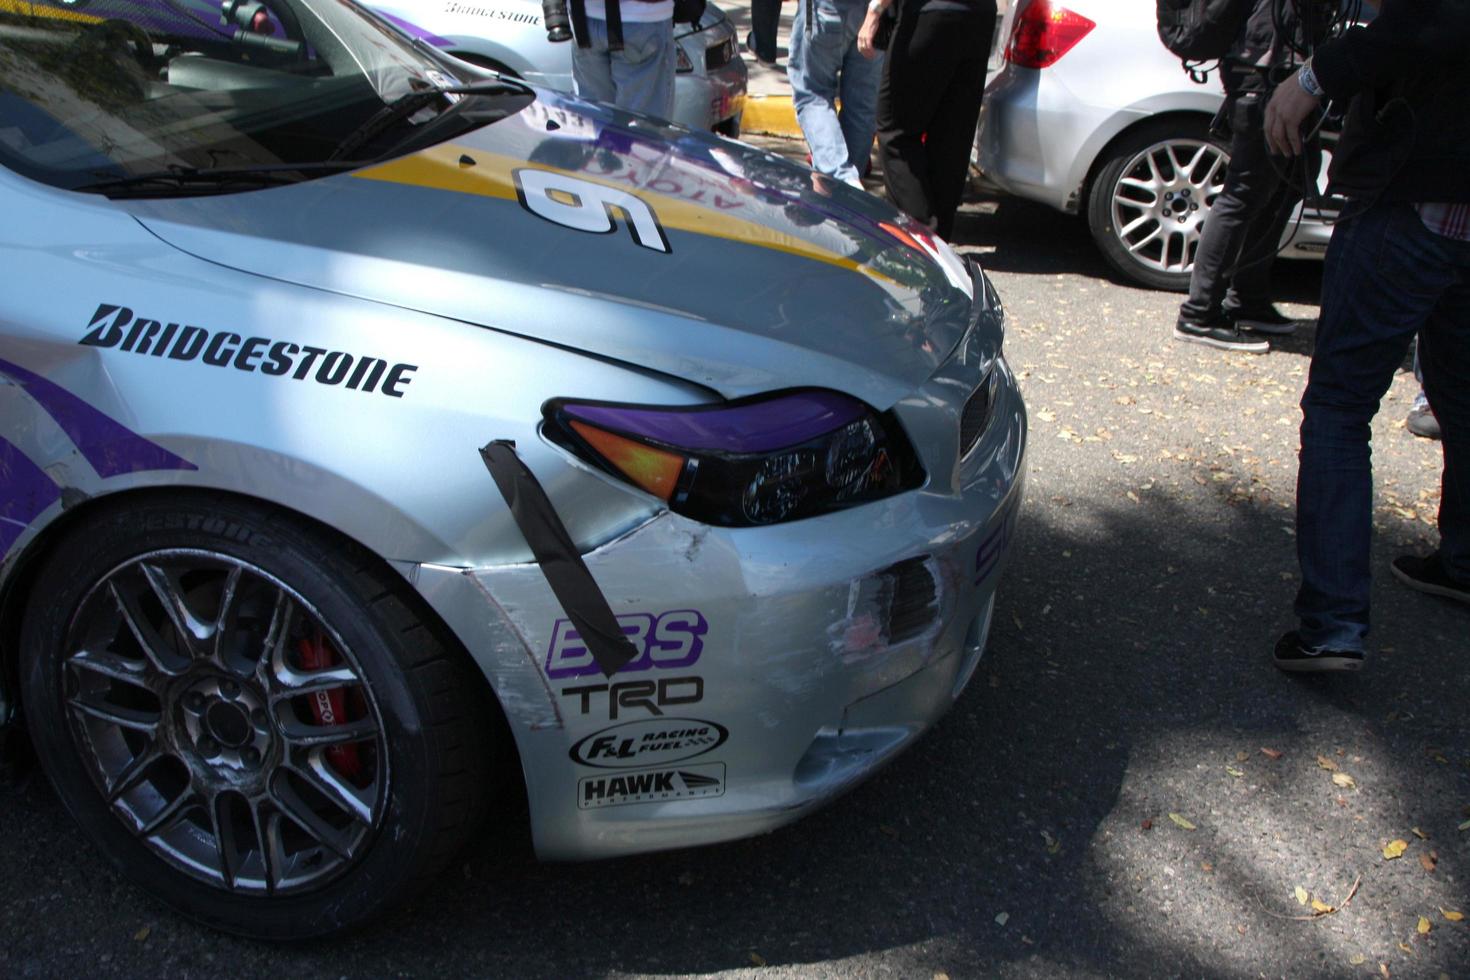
x=652 y=469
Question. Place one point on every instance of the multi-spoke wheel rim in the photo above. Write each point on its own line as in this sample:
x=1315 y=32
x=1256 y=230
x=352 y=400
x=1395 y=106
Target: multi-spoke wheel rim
x=1161 y=201
x=227 y=726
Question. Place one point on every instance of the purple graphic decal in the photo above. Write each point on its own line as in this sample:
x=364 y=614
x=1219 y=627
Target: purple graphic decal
x=109 y=446
x=664 y=642
x=755 y=427
x=25 y=491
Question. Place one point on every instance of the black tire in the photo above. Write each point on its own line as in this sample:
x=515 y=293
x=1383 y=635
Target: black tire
x=1121 y=212
x=299 y=638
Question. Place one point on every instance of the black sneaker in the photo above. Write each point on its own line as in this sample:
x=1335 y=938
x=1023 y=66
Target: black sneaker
x=1422 y=422
x=1428 y=575
x=1219 y=332
x=750 y=46
x=1292 y=656
x=1262 y=319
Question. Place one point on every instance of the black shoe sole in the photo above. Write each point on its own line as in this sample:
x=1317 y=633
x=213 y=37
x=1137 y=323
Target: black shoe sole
x=1270 y=329
x=1323 y=663
x=1429 y=588
x=1245 y=347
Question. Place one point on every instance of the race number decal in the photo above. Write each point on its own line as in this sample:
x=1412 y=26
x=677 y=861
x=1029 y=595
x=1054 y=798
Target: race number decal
x=575 y=203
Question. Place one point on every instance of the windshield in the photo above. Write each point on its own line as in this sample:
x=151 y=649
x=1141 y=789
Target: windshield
x=102 y=94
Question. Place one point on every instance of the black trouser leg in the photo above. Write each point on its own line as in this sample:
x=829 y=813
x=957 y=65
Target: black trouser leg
x=933 y=80
x=765 y=19
x=1246 y=221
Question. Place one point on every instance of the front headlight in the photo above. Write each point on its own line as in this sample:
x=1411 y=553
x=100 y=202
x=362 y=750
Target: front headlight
x=754 y=461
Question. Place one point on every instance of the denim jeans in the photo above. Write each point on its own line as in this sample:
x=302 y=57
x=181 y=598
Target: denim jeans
x=824 y=64
x=1387 y=277
x=639 y=78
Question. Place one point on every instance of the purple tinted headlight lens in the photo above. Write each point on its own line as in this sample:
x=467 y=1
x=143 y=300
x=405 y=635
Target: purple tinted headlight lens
x=751 y=427
x=759 y=460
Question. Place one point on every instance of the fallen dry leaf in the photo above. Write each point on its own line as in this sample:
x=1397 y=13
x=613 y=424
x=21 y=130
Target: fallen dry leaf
x=1357 y=959
x=1237 y=773
x=1270 y=753
x=1301 y=895
x=1419 y=833
x=1452 y=915
x=142 y=934
x=1395 y=849
x=1322 y=907
x=1147 y=824
x=1242 y=756
x=1344 y=780
x=757 y=959
x=1464 y=826
x=1326 y=763
x=1428 y=861
x=1181 y=821
x=1002 y=918
x=1424 y=926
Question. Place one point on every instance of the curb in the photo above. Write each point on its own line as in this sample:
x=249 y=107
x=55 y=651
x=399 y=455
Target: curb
x=772 y=115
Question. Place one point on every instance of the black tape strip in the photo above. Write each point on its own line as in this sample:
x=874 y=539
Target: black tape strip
x=570 y=581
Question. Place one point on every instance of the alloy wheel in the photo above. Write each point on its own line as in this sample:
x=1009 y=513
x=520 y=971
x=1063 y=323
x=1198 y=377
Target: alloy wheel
x=1162 y=198
x=224 y=723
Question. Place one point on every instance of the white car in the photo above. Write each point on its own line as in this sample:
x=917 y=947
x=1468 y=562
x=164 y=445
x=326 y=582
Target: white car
x=508 y=36
x=1092 y=115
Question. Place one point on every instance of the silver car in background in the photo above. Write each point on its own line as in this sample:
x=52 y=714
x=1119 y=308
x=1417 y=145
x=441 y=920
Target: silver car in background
x=508 y=36
x=1092 y=115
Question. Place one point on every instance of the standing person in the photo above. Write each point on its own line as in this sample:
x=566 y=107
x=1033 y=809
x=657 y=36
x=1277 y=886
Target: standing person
x=1398 y=264
x=765 y=22
x=824 y=64
x=1230 y=285
x=625 y=53
x=929 y=101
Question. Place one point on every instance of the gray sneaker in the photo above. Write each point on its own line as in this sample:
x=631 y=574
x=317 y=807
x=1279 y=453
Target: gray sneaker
x=1422 y=423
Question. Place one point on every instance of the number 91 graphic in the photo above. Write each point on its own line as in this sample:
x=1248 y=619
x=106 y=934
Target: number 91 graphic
x=582 y=205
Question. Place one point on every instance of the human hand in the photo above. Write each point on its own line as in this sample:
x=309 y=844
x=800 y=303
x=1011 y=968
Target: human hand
x=867 y=33
x=1289 y=107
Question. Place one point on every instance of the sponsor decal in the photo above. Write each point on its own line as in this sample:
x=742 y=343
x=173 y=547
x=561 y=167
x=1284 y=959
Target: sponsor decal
x=989 y=554
x=25 y=491
x=117 y=327
x=666 y=641
x=647 y=695
x=649 y=742
x=651 y=786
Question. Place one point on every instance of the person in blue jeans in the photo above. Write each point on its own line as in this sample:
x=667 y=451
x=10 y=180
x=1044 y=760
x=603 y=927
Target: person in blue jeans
x=627 y=60
x=1398 y=264
x=823 y=66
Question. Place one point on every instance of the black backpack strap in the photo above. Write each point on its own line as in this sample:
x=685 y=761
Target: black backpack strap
x=579 y=23
x=614 y=26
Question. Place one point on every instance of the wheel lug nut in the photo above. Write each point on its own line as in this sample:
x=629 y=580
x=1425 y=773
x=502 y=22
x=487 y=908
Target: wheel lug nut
x=1168 y=213
x=251 y=756
x=259 y=719
x=194 y=702
x=209 y=746
x=229 y=689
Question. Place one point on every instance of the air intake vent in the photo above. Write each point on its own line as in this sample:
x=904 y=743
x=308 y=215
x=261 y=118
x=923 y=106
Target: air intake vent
x=976 y=414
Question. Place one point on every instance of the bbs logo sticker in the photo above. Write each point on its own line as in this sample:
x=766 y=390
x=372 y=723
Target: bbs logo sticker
x=667 y=641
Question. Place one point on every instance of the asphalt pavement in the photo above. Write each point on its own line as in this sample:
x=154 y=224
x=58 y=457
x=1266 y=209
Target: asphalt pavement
x=1128 y=788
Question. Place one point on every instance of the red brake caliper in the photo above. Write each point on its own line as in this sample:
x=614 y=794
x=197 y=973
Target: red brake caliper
x=329 y=707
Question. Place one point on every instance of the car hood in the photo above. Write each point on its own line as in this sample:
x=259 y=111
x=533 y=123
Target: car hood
x=619 y=236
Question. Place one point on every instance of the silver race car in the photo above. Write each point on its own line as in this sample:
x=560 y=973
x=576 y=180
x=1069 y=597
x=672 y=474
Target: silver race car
x=379 y=432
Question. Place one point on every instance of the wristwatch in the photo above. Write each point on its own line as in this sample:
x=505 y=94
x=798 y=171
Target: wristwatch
x=1307 y=79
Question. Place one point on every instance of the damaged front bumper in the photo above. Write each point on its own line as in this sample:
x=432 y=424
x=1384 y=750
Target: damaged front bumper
x=775 y=666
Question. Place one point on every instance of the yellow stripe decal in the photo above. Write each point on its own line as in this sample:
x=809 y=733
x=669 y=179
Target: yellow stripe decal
x=439 y=167
x=26 y=9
